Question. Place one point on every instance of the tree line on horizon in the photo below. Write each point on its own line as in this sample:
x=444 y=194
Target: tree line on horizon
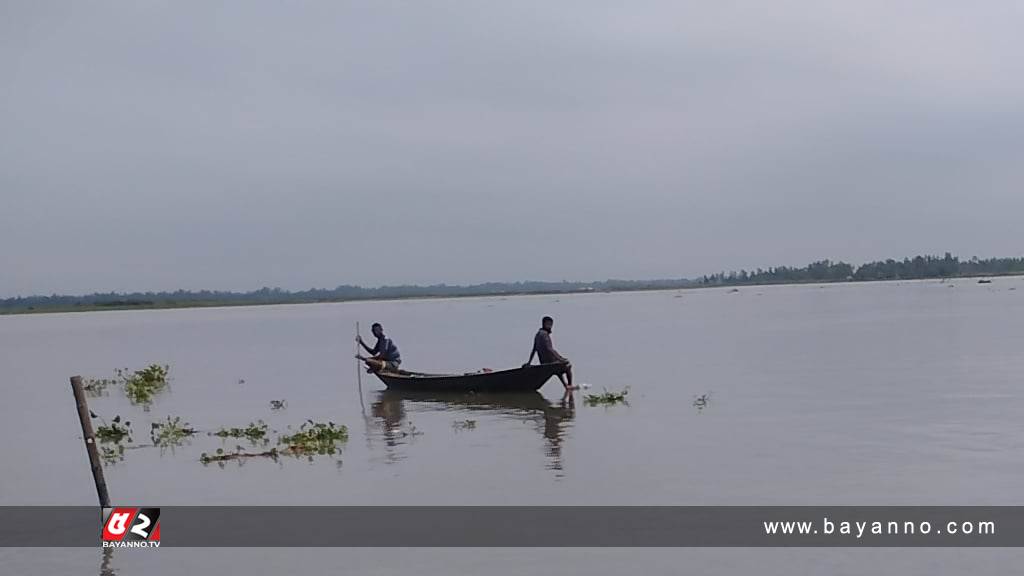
x=919 y=267
x=266 y=295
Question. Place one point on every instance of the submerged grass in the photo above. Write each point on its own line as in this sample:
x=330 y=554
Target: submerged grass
x=607 y=398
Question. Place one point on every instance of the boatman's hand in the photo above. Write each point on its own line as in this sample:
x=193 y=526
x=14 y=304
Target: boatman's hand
x=359 y=339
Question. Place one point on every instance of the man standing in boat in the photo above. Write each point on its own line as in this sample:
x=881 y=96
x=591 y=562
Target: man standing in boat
x=385 y=353
x=546 y=353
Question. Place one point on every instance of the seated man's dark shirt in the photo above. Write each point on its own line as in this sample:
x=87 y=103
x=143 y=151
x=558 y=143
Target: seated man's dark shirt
x=544 y=349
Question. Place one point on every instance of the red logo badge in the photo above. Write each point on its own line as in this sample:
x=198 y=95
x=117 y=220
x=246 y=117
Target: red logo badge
x=131 y=527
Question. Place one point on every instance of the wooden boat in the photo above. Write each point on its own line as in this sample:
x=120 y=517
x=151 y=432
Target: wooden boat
x=525 y=379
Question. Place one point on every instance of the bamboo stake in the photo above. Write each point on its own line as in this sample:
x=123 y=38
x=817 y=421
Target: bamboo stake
x=90 y=441
x=359 y=373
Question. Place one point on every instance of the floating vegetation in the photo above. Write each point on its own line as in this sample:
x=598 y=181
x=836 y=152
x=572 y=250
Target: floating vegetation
x=701 y=402
x=315 y=438
x=170 y=432
x=254 y=432
x=112 y=454
x=115 y=431
x=220 y=456
x=311 y=439
x=97 y=386
x=607 y=398
x=464 y=425
x=141 y=385
x=278 y=404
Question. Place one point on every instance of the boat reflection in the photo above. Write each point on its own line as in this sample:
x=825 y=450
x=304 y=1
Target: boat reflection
x=551 y=419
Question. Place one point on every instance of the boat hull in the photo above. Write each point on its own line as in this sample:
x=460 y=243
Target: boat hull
x=525 y=379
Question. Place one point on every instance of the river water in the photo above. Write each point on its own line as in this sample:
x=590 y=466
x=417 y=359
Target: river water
x=895 y=393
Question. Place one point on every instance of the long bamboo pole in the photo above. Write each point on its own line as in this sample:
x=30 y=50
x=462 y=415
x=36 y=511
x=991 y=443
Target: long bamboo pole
x=90 y=441
x=359 y=373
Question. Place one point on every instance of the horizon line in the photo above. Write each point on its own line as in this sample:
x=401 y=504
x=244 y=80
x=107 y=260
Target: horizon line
x=581 y=283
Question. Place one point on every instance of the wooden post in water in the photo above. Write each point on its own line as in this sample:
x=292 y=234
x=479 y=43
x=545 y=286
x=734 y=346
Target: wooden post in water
x=359 y=372
x=90 y=441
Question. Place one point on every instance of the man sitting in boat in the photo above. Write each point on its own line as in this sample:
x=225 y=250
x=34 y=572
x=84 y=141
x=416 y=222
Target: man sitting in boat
x=385 y=353
x=546 y=353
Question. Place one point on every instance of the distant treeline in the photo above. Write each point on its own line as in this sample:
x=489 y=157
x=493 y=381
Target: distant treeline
x=188 y=298
x=919 y=267
x=947 y=266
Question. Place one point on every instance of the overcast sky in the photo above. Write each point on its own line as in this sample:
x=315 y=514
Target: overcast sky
x=232 y=145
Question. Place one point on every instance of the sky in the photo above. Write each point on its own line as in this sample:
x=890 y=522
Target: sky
x=233 y=145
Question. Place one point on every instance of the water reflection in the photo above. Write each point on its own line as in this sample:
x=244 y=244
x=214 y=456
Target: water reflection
x=551 y=419
x=106 y=564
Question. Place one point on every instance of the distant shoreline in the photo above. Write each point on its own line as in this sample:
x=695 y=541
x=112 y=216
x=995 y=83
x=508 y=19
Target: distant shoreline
x=157 y=305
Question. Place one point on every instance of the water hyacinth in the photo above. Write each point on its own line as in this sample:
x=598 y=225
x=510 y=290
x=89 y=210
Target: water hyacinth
x=141 y=385
x=170 y=432
x=316 y=438
x=115 y=431
x=254 y=432
x=607 y=398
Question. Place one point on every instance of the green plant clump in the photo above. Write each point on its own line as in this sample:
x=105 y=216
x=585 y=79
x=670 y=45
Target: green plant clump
x=316 y=438
x=141 y=385
x=171 y=432
x=254 y=432
x=607 y=398
x=114 y=432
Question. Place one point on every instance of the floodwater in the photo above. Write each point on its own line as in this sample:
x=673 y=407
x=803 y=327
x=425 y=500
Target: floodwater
x=897 y=393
